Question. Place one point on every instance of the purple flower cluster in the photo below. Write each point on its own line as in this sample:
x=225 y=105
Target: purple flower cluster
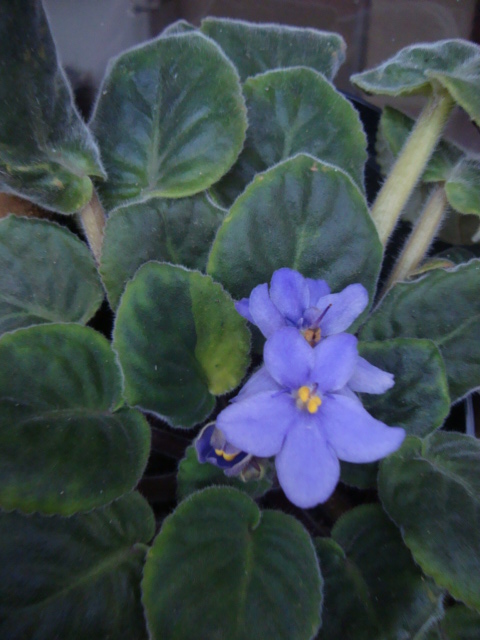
x=301 y=406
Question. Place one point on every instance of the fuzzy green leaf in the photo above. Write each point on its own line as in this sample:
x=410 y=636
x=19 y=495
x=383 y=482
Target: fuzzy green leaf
x=459 y=623
x=462 y=187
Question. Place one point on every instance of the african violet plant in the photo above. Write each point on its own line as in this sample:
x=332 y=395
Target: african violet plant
x=220 y=189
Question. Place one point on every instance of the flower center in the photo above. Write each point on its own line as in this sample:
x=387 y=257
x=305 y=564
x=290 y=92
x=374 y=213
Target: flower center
x=312 y=335
x=226 y=456
x=308 y=399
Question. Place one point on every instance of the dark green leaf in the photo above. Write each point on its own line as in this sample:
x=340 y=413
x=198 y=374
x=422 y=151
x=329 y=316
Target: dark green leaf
x=420 y=68
x=222 y=569
x=255 y=48
x=170 y=119
x=459 y=623
x=286 y=116
x=62 y=449
x=431 y=489
x=373 y=589
x=76 y=577
x=179 y=231
x=180 y=342
x=193 y=476
x=48 y=275
x=443 y=306
x=302 y=214
x=46 y=151
x=462 y=187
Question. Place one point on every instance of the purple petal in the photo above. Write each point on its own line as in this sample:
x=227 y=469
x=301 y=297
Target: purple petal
x=260 y=381
x=334 y=361
x=317 y=289
x=367 y=378
x=288 y=358
x=243 y=308
x=348 y=393
x=346 y=307
x=352 y=432
x=258 y=424
x=289 y=293
x=264 y=313
x=307 y=468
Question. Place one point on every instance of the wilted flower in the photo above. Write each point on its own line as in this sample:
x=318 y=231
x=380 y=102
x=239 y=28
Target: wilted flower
x=300 y=409
x=304 y=303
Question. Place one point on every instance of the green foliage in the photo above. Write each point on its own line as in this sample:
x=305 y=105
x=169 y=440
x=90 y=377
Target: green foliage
x=76 y=577
x=170 y=119
x=178 y=231
x=46 y=152
x=459 y=623
x=462 y=187
x=180 y=342
x=63 y=447
x=431 y=489
x=220 y=568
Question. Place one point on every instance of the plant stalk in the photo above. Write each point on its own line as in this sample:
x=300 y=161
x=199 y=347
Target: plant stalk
x=421 y=237
x=92 y=218
x=411 y=163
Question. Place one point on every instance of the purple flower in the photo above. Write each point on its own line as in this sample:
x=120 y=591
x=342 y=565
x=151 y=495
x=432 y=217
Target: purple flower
x=298 y=409
x=306 y=304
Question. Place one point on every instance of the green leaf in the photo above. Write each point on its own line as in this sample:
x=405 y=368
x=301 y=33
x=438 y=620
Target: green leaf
x=222 y=569
x=49 y=275
x=178 y=27
x=459 y=623
x=302 y=214
x=373 y=589
x=255 y=48
x=180 y=342
x=286 y=110
x=193 y=476
x=62 y=449
x=46 y=151
x=461 y=188
x=443 y=306
x=178 y=231
x=170 y=119
x=431 y=489
x=76 y=577
x=420 y=68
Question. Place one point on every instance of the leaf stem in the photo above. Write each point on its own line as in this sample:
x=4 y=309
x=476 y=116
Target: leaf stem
x=92 y=219
x=421 y=237
x=411 y=163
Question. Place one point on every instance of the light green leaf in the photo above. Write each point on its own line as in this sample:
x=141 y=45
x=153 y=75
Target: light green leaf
x=76 y=577
x=255 y=48
x=180 y=342
x=179 y=231
x=220 y=568
x=170 y=119
x=462 y=187
x=431 y=489
x=63 y=448
x=46 y=152
x=48 y=275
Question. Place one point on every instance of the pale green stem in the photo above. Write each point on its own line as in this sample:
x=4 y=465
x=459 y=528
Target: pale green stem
x=92 y=218
x=410 y=163
x=421 y=237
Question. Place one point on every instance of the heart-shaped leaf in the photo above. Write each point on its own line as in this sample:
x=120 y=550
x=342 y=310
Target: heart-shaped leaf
x=62 y=448
x=46 y=151
x=255 y=48
x=373 y=589
x=303 y=214
x=420 y=68
x=286 y=116
x=431 y=489
x=76 y=577
x=443 y=306
x=170 y=119
x=48 y=275
x=220 y=568
x=180 y=343
x=179 y=231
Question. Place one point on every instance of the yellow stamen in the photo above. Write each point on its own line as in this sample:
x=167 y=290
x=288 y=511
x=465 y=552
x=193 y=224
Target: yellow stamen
x=312 y=336
x=308 y=399
x=227 y=456
x=313 y=404
x=304 y=394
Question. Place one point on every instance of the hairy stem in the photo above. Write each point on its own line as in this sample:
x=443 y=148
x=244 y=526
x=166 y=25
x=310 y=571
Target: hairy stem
x=92 y=218
x=421 y=237
x=411 y=163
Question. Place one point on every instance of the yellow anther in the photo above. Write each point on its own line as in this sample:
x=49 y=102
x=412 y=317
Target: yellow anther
x=312 y=336
x=304 y=394
x=227 y=456
x=313 y=404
